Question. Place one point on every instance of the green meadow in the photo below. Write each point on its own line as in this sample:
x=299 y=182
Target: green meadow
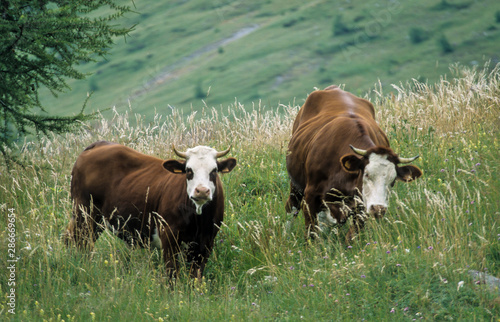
x=414 y=264
x=186 y=55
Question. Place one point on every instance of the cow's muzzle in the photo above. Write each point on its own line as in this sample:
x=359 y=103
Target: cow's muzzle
x=201 y=194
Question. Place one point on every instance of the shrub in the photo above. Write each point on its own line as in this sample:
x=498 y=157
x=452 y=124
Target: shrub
x=339 y=27
x=445 y=45
x=417 y=35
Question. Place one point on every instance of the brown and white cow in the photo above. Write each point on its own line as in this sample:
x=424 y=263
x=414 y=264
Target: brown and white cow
x=337 y=153
x=175 y=205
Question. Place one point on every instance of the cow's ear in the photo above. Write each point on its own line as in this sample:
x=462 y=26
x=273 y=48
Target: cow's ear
x=227 y=165
x=408 y=173
x=351 y=163
x=175 y=166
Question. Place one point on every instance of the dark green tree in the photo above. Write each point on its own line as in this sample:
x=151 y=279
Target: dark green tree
x=41 y=44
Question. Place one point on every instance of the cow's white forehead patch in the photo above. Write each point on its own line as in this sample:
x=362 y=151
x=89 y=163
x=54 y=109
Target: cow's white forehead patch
x=379 y=174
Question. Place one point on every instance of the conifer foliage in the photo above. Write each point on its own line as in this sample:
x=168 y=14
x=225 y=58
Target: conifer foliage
x=41 y=44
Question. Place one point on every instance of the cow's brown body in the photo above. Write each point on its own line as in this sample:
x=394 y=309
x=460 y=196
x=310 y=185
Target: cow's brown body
x=328 y=123
x=117 y=187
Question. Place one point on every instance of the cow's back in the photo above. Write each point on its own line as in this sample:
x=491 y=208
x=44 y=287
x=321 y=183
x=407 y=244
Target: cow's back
x=322 y=106
x=110 y=172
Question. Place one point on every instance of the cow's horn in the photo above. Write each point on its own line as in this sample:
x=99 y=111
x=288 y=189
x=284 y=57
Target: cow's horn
x=407 y=160
x=223 y=153
x=180 y=154
x=358 y=151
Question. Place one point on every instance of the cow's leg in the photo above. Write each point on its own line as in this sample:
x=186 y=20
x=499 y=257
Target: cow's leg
x=83 y=228
x=357 y=224
x=170 y=252
x=292 y=206
x=311 y=205
x=198 y=263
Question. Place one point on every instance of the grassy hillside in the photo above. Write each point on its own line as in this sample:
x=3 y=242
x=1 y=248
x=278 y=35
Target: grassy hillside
x=191 y=54
x=413 y=265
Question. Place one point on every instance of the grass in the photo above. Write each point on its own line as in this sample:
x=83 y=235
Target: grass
x=408 y=266
x=292 y=50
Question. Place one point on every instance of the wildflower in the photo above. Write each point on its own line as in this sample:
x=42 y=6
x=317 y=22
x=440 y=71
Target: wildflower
x=460 y=285
x=406 y=309
x=388 y=252
x=292 y=268
x=478 y=164
x=398 y=265
x=92 y=315
x=363 y=276
x=442 y=170
x=349 y=246
x=430 y=248
x=392 y=310
x=348 y=294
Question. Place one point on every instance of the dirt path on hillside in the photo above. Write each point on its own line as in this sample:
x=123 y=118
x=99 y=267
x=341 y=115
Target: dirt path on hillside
x=177 y=68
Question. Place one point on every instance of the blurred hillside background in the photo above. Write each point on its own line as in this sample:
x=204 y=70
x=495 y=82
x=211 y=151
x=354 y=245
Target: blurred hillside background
x=188 y=54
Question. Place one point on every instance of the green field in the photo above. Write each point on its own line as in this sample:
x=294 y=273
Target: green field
x=412 y=265
x=188 y=55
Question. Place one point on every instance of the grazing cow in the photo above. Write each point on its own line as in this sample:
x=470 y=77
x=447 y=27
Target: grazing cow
x=173 y=205
x=327 y=179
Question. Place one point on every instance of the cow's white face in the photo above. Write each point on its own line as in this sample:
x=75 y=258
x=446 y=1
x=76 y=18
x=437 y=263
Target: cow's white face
x=201 y=173
x=378 y=177
x=380 y=169
x=201 y=168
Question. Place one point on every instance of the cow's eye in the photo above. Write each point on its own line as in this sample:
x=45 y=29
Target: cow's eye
x=189 y=173
x=213 y=174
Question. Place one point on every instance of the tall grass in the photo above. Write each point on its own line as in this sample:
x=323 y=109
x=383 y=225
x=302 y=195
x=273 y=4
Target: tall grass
x=413 y=264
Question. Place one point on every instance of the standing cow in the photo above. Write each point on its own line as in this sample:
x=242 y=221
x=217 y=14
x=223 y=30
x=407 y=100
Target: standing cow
x=175 y=205
x=326 y=176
